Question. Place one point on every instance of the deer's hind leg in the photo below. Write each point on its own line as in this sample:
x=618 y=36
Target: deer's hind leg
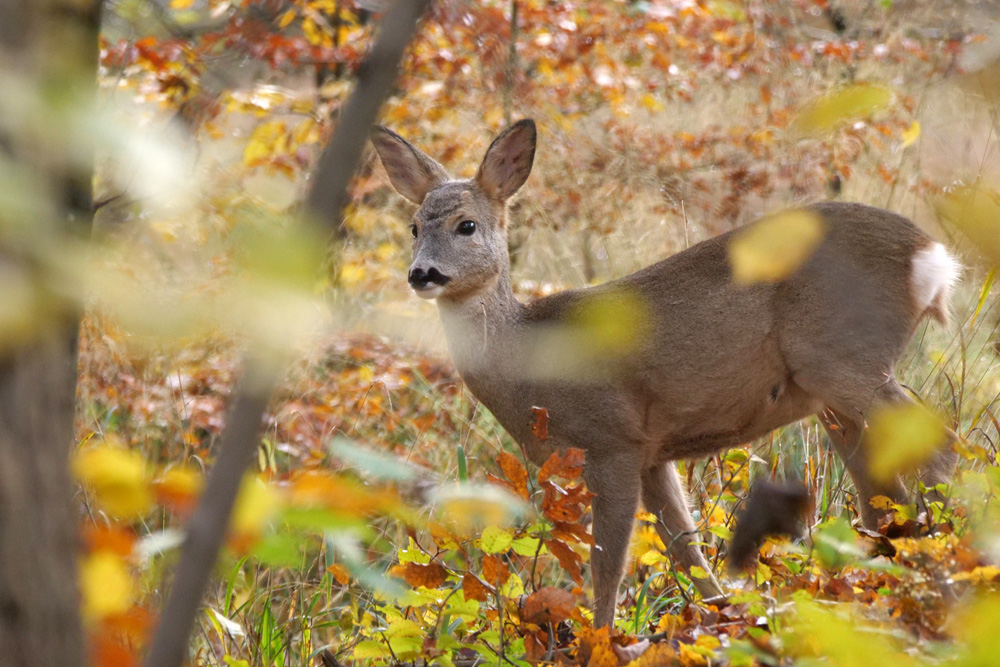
x=663 y=495
x=845 y=421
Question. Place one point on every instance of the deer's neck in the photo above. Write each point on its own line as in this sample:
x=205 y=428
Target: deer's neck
x=480 y=329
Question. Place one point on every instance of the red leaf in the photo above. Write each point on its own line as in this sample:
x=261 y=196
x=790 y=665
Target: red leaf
x=547 y=605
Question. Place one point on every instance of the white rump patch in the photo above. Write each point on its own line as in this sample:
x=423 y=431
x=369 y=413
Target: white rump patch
x=935 y=272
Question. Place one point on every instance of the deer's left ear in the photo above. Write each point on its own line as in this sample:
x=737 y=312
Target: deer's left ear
x=508 y=161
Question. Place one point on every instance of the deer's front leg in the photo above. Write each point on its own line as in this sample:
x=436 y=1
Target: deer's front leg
x=615 y=481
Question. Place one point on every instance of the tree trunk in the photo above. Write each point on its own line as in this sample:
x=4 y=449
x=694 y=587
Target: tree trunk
x=39 y=604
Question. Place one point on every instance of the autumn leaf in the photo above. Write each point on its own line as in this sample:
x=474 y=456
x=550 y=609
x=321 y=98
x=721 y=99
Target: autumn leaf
x=473 y=588
x=495 y=540
x=514 y=471
x=118 y=479
x=903 y=437
x=179 y=488
x=339 y=573
x=105 y=585
x=547 y=605
x=841 y=105
x=568 y=559
x=975 y=211
x=495 y=571
x=431 y=575
x=566 y=463
x=540 y=423
x=657 y=655
x=775 y=247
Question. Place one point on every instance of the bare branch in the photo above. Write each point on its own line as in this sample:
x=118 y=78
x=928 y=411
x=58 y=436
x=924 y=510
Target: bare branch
x=239 y=441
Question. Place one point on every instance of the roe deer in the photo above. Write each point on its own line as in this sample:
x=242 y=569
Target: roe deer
x=712 y=364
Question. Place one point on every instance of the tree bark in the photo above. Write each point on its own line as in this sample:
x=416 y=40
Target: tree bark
x=39 y=604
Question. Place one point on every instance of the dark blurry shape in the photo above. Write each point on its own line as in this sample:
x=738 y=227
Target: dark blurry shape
x=44 y=47
x=773 y=508
x=326 y=201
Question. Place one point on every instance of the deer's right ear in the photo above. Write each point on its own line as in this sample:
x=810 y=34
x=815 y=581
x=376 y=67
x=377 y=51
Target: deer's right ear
x=411 y=171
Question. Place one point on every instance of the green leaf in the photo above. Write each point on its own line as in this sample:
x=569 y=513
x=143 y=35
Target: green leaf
x=495 y=540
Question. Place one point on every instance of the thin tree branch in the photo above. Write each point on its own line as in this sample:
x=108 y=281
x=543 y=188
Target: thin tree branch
x=376 y=78
x=328 y=197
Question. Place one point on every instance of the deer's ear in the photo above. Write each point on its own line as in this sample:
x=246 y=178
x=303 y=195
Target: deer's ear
x=508 y=161
x=411 y=171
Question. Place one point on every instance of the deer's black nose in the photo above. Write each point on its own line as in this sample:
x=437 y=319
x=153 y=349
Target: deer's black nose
x=424 y=278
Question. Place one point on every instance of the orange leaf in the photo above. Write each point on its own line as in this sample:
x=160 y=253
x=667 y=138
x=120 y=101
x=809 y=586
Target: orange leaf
x=592 y=641
x=568 y=559
x=431 y=575
x=547 y=605
x=495 y=571
x=514 y=470
x=567 y=464
x=540 y=422
x=473 y=588
x=339 y=573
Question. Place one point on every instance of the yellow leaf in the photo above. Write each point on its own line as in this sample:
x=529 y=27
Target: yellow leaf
x=181 y=4
x=495 y=540
x=902 y=437
x=105 y=585
x=117 y=478
x=840 y=105
x=699 y=572
x=286 y=18
x=975 y=210
x=263 y=142
x=911 y=134
x=978 y=574
x=773 y=248
x=256 y=504
x=651 y=102
x=652 y=557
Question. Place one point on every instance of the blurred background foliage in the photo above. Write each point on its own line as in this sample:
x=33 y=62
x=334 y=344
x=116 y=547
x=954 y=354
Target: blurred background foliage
x=389 y=518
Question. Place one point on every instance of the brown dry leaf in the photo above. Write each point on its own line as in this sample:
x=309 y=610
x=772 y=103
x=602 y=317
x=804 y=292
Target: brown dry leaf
x=495 y=571
x=473 y=588
x=568 y=559
x=567 y=463
x=565 y=505
x=540 y=422
x=514 y=471
x=547 y=605
x=431 y=575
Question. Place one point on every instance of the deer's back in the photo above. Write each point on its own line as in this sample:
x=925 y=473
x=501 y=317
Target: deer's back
x=717 y=361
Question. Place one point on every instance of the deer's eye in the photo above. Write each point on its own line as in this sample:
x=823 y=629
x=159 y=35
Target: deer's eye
x=467 y=228
x=413 y=229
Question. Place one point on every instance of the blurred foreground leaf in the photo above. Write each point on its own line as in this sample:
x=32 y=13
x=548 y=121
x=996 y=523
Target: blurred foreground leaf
x=841 y=105
x=975 y=211
x=819 y=633
x=118 y=479
x=775 y=247
x=902 y=438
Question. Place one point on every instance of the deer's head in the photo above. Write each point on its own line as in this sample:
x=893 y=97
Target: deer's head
x=460 y=227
